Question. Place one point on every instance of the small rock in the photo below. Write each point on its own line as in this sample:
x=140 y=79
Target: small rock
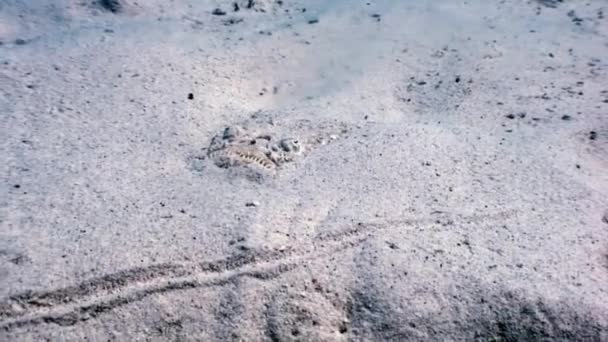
x=313 y=21
x=190 y=96
x=566 y=117
x=391 y=245
x=232 y=21
x=218 y=11
x=252 y=204
x=592 y=135
x=114 y=6
x=17 y=308
x=230 y=133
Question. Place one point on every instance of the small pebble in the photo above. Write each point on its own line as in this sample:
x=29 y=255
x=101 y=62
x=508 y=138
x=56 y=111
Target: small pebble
x=230 y=133
x=218 y=11
x=592 y=135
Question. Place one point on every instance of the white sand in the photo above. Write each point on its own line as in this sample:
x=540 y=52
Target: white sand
x=452 y=186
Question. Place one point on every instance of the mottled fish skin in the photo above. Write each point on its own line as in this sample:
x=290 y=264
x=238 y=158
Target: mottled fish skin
x=234 y=155
x=258 y=149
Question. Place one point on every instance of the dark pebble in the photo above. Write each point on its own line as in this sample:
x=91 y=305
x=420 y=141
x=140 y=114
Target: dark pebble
x=218 y=11
x=190 y=96
x=566 y=118
x=233 y=21
x=510 y=116
x=313 y=21
x=592 y=135
x=114 y=6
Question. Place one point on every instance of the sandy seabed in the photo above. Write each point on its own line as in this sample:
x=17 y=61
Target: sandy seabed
x=343 y=170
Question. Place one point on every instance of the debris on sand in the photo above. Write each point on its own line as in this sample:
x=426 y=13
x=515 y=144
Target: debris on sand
x=550 y=3
x=218 y=11
x=114 y=6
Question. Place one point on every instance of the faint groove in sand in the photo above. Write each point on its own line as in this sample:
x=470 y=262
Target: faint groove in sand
x=89 y=299
x=74 y=304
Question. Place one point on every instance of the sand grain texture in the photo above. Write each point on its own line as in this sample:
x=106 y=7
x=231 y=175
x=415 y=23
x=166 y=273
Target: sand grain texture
x=303 y=170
